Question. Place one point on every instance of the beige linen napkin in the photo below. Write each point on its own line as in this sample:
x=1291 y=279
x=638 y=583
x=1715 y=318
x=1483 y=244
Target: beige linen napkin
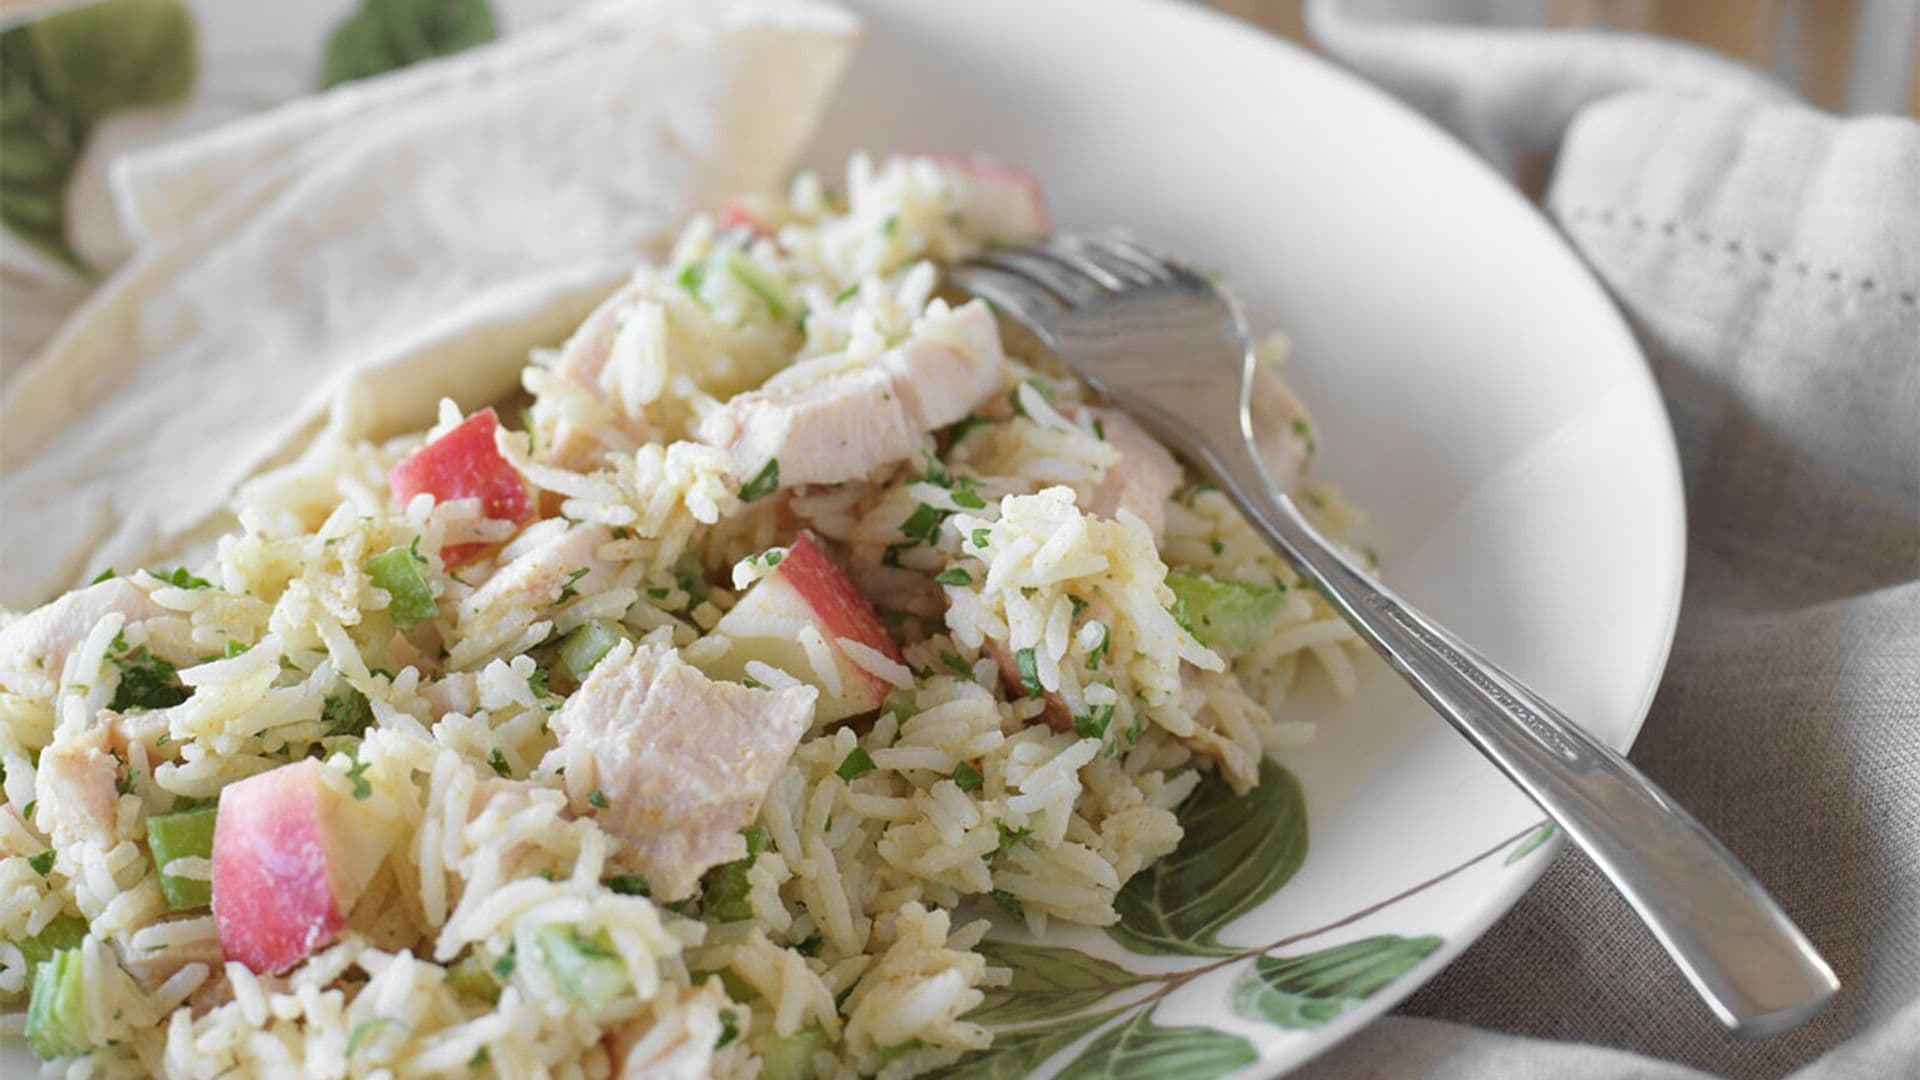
x=1769 y=257
x=376 y=247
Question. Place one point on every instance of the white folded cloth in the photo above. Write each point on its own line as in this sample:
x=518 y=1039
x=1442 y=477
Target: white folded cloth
x=351 y=257
x=1768 y=256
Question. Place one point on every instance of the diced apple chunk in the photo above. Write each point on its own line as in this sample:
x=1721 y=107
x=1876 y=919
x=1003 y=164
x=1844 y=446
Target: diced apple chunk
x=291 y=856
x=799 y=612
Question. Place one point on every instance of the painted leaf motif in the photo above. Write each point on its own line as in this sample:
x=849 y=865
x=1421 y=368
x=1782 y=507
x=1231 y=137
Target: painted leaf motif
x=1016 y=1054
x=1139 y=1047
x=1048 y=981
x=59 y=76
x=1534 y=839
x=1237 y=851
x=387 y=34
x=1307 y=991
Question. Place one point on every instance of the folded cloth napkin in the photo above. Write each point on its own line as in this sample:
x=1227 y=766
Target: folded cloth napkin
x=1768 y=256
x=343 y=240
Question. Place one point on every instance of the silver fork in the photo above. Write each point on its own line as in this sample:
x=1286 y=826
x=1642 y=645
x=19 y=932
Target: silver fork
x=1166 y=345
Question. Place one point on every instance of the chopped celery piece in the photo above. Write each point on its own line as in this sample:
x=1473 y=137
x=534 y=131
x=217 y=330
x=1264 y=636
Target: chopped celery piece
x=588 y=642
x=1230 y=616
x=412 y=601
x=56 y=1014
x=583 y=965
x=185 y=834
x=790 y=1057
x=473 y=976
x=688 y=574
x=61 y=932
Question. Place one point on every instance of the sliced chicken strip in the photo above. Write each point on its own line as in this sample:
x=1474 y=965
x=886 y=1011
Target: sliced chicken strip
x=683 y=762
x=1145 y=477
x=1283 y=433
x=35 y=646
x=75 y=794
x=831 y=419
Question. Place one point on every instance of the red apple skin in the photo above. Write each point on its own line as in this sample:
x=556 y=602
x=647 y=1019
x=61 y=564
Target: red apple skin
x=288 y=864
x=837 y=606
x=466 y=464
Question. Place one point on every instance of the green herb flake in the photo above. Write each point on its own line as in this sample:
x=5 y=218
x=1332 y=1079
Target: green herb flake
x=480 y=1059
x=595 y=798
x=346 y=713
x=1099 y=650
x=104 y=575
x=1029 y=671
x=659 y=592
x=235 y=648
x=956 y=664
x=752 y=683
x=503 y=967
x=567 y=591
x=966 y=777
x=1010 y=837
x=729 y=1029
x=980 y=538
x=1079 y=605
x=179 y=578
x=810 y=946
x=630 y=885
x=965 y=425
x=1009 y=903
x=42 y=863
x=964 y=495
x=367 y=1027
x=954 y=576
x=1216 y=545
x=922 y=524
x=857 y=763
x=498 y=761
x=358 y=776
x=1099 y=429
x=890 y=225
x=146 y=681
x=1094 y=724
x=847 y=294
x=764 y=483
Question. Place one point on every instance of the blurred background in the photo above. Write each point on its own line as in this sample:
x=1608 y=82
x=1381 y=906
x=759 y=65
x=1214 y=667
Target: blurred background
x=1849 y=56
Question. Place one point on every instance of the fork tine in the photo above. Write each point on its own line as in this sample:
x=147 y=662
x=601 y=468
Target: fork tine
x=1068 y=283
x=1124 y=248
x=1015 y=295
x=1117 y=269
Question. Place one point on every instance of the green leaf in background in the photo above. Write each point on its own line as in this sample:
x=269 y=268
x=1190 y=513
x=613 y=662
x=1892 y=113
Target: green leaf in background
x=1307 y=991
x=388 y=34
x=60 y=76
x=1139 y=1047
x=1534 y=839
x=1015 y=1055
x=1237 y=851
x=1048 y=982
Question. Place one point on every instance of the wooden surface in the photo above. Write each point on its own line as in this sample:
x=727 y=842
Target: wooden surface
x=1808 y=44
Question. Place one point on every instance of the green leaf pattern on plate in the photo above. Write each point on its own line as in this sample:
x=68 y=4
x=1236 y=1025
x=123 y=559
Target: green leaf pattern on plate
x=388 y=34
x=1534 y=839
x=1307 y=991
x=1016 y=1054
x=59 y=77
x=1140 y=1047
x=1048 y=982
x=1237 y=851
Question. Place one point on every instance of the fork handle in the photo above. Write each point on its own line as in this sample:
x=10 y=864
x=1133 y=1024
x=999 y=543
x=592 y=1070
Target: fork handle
x=1742 y=953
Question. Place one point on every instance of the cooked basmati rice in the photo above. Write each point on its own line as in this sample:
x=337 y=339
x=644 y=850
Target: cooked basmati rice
x=985 y=774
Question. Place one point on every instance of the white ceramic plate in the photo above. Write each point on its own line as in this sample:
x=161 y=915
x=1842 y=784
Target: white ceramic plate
x=1474 y=390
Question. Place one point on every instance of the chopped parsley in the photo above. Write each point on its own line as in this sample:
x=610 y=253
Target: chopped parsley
x=922 y=524
x=764 y=483
x=954 y=576
x=752 y=683
x=1100 y=650
x=503 y=967
x=42 y=863
x=146 y=682
x=1009 y=903
x=358 y=775
x=537 y=682
x=480 y=1059
x=965 y=496
x=367 y=1027
x=630 y=885
x=692 y=278
x=963 y=426
x=346 y=713
x=1029 y=671
x=1099 y=429
x=1094 y=724
x=180 y=579
x=235 y=648
x=659 y=592
x=810 y=946
x=567 y=591
x=499 y=762
x=966 y=777
x=1079 y=605
x=729 y=1029
x=1010 y=837
x=857 y=763
x=595 y=798
x=104 y=575
x=890 y=225
x=979 y=538
x=1216 y=545
x=847 y=294
x=956 y=664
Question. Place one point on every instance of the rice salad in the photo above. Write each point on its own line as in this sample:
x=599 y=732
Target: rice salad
x=698 y=718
